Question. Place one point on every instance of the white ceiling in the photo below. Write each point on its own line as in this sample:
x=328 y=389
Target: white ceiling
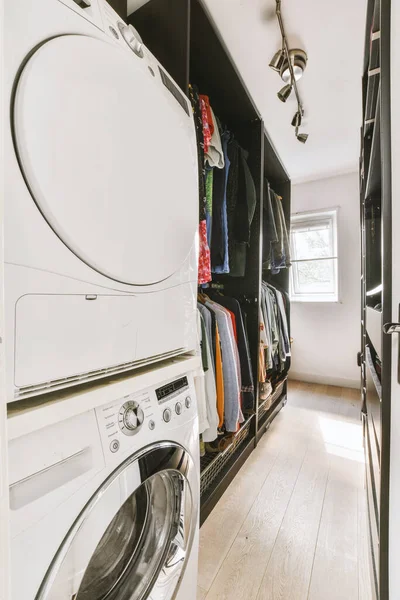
x=332 y=33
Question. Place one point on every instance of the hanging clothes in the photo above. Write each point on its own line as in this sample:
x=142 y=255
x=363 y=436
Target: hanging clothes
x=232 y=413
x=227 y=195
x=276 y=248
x=219 y=380
x=247 y=389
x=246 y=205
x=199 y=384
x=215 y=155
x=216 y=356
x=204 y=267
x=208 y=123
x=270 y=234
x=275 y=349
x=204 y=250
x=207 y=388
x=219 y=246
x=241 y=205
x=209 y=203
x=205 y=123
x=285 y=308
x=206 y=314
x=227 y=203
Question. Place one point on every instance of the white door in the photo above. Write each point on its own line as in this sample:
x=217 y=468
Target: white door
x=134 y=537
x=109 y=157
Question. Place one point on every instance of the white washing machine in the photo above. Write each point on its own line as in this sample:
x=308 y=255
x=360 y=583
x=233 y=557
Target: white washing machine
x=105 y=504
x=101 y=199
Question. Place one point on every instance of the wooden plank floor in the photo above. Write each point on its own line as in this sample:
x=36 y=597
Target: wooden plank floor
x=292 y=525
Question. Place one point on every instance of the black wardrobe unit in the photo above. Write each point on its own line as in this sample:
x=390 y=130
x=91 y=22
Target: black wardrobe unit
x=275 y=175
x=119 y=6
x=182 y=36
x=376 y=264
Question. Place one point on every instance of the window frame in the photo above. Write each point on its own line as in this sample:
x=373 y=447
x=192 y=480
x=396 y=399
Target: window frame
x=308 y=217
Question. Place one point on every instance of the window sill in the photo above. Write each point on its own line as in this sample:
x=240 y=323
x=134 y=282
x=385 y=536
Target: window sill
x=315 y=300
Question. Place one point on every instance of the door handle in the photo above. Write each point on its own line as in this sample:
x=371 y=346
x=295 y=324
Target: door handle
x=390 y=328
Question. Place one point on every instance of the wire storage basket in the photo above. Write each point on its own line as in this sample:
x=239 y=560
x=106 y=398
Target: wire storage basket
x=211 y=465
x=270 y=401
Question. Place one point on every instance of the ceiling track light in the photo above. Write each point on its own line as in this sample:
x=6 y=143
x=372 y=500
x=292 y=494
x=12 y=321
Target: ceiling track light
x=302 y=137
x=285 y=92
x=290 y=64
x=278 y=60
x=298 y=60
x=296 y=121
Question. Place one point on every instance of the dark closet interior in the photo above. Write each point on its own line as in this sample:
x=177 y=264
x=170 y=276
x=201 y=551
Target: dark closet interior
x=175 y=31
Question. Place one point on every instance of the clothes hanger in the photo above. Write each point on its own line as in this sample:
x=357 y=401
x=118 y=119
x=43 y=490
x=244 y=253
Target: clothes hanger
x=202 y=298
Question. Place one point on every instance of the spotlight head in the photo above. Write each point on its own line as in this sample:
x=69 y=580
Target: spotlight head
x=302 y=137
x=277 y=61
x=285 y=92
x=296 y=121
x=298 y=58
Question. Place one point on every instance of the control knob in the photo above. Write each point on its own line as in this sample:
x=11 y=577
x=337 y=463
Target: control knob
x=131 y=418
x=132 y=38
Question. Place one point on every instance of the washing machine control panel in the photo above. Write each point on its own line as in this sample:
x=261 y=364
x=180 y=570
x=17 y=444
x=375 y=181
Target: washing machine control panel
x=136 y=419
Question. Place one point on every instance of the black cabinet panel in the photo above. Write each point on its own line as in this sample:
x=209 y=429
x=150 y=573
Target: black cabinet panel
x=164 y=27
x=120 y=6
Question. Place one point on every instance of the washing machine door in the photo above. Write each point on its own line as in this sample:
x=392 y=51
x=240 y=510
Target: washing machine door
x=108 y=153
x=133 y=538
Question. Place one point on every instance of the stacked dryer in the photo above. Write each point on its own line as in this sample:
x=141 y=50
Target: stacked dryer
x=101 y=217
x=101 y=199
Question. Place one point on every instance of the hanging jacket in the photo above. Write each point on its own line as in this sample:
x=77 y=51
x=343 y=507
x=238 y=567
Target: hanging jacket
x=241 y=205
x=243 y=348
x=270 y=234
x=220 y=264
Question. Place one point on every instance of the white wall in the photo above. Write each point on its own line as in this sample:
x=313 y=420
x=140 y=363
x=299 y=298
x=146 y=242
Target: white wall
x=327 y=335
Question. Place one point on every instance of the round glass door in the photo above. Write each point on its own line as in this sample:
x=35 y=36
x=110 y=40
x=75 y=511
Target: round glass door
x=137 y=545
x=141 y=552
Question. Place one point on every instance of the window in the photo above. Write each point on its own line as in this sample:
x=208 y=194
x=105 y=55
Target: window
x=314 y=273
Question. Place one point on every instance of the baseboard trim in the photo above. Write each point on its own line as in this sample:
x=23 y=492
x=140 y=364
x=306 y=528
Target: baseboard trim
x=325 y=379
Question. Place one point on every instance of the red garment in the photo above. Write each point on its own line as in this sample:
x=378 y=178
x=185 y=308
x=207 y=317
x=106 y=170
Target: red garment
x=206 y=126
x=209 y=114
x=204 y=255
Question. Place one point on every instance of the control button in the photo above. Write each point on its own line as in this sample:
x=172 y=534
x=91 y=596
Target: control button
x=113 y=31
x=178 y=408
x=152 y=425
x=167 y=414
x=132 y=38
x=188 y=402
x=130 y=417
x=114 y=446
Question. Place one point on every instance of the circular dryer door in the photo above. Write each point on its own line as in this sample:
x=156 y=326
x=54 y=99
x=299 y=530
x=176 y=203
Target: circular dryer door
x=133 y=539
x=109 y=157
